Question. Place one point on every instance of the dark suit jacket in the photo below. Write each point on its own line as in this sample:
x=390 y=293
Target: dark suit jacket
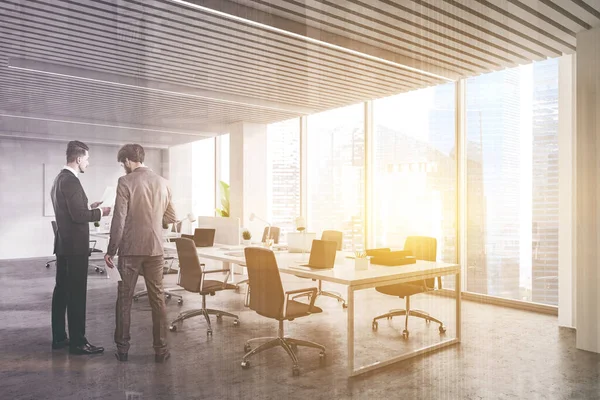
x=72 y=215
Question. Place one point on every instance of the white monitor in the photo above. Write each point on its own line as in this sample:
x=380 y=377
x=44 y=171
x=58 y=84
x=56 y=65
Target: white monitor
x=299 y=242
x=227 y=230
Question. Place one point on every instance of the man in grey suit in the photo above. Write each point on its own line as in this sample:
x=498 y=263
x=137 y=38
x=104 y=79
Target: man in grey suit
x=142 y=206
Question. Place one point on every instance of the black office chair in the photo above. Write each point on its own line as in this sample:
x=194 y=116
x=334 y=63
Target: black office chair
x=192 y=277
x=92 y=248
x=275 y=231
x=333 y=236
x=423 y=248
x=269 y=300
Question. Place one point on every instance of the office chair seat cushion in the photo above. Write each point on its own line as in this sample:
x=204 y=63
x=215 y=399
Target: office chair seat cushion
x=296 y=309
x=211 y=286
x=402 y=289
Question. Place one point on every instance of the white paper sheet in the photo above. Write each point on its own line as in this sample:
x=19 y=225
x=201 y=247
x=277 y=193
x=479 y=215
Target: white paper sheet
x=113 y=274
x=109 y=197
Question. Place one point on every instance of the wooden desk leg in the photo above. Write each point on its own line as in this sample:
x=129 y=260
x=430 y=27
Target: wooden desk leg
x=350 y=333
x=458 y=306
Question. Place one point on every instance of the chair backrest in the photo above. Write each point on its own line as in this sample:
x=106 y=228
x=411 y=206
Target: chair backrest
x=274 y=234
x=190 y=270
x=424 y=248
x=333 y=236
x=266 y=290
x=54 y=227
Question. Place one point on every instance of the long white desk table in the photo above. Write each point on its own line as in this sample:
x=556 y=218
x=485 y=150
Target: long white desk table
x=345 y=274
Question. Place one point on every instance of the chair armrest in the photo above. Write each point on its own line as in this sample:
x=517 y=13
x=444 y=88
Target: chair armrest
x=313 y=297
x=212 y=271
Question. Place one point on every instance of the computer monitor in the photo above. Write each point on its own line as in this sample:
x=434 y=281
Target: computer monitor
x=299 y=242
x=204 y=237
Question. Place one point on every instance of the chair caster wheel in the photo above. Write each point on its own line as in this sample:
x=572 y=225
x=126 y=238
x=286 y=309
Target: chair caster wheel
x=168 y=296
x=344 y=305
x=135 y=298
x=247 y=348
x=245 y=364
x=173 y=328
x=375 y=325
x=180 y=302
x=405 y=334
x=296 y=371
x=219 y=317
x=101 y=271
x=442 y=329
x=47 y=265
x=322 y=356
x=236 y=322
x=209 y=333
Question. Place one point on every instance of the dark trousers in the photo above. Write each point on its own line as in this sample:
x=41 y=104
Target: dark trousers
x=70 y=293
x=130 y=268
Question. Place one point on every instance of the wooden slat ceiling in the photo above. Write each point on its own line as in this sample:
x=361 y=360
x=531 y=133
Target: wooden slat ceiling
x=177 y=71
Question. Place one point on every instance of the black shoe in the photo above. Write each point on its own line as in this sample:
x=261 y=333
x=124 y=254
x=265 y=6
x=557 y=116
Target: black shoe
x=121 y=356
x=86 y=349
x=161 y=358
x=61 y=344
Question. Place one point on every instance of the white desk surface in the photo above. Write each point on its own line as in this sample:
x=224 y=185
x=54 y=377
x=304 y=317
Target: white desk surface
x=343 y=272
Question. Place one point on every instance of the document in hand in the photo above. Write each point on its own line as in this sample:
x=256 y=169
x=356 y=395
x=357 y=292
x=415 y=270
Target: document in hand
x=109 y=197
x=113 y=274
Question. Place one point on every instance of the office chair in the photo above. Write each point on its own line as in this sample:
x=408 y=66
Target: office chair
x=192 y=277
x=92 y=248
x=169 y=260
x=269 y=300
x=334 y=236
x=423 y=248
x=275 y=231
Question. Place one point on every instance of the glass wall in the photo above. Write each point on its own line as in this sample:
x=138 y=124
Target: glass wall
x=203 y=177
x=283 y=176
x=414 y=169
x=335 y=173
x=512 y=183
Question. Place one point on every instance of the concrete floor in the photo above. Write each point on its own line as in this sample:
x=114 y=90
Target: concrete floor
x=504 y=354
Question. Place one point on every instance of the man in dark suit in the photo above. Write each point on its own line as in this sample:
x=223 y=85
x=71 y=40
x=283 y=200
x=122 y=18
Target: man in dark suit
x=71 y=246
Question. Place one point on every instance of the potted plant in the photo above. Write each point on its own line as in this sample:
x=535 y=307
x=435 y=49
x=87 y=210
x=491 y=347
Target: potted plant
x=224 y=212
x=97 y=225
x=246 y=235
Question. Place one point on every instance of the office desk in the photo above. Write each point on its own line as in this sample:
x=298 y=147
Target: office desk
x=344 y=273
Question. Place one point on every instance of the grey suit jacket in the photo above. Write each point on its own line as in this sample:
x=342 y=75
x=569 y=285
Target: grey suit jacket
x=142 y=206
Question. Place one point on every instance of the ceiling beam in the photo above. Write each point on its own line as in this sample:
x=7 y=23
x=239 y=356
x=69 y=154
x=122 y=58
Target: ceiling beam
x=265 y=20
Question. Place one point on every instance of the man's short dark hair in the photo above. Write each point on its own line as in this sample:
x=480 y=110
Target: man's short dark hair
x=132 y=152
x=75 y=149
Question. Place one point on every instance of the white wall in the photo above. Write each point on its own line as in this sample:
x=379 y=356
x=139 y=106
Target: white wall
x=24 y=230
x=587 y=200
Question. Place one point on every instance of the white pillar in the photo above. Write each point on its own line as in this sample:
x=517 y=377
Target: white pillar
x=566 y=193
x=248 y=175
x=588 y=191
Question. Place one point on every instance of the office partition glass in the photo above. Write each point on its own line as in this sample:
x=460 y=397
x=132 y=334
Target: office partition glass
x=203 y=177
x=335 y=173
x=512 y=183
x=283 y=176
x=414 y=169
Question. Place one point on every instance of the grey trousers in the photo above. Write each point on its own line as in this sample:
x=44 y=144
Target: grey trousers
x=152 y=268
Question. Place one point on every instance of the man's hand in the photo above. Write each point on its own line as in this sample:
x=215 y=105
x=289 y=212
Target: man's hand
x=105 y=211
x=108 y=259
x=96 y=204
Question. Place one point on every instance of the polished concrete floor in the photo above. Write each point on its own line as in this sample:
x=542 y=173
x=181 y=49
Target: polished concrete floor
x=504 y=354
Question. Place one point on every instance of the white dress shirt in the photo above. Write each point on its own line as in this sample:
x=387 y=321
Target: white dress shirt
x=72 y=170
